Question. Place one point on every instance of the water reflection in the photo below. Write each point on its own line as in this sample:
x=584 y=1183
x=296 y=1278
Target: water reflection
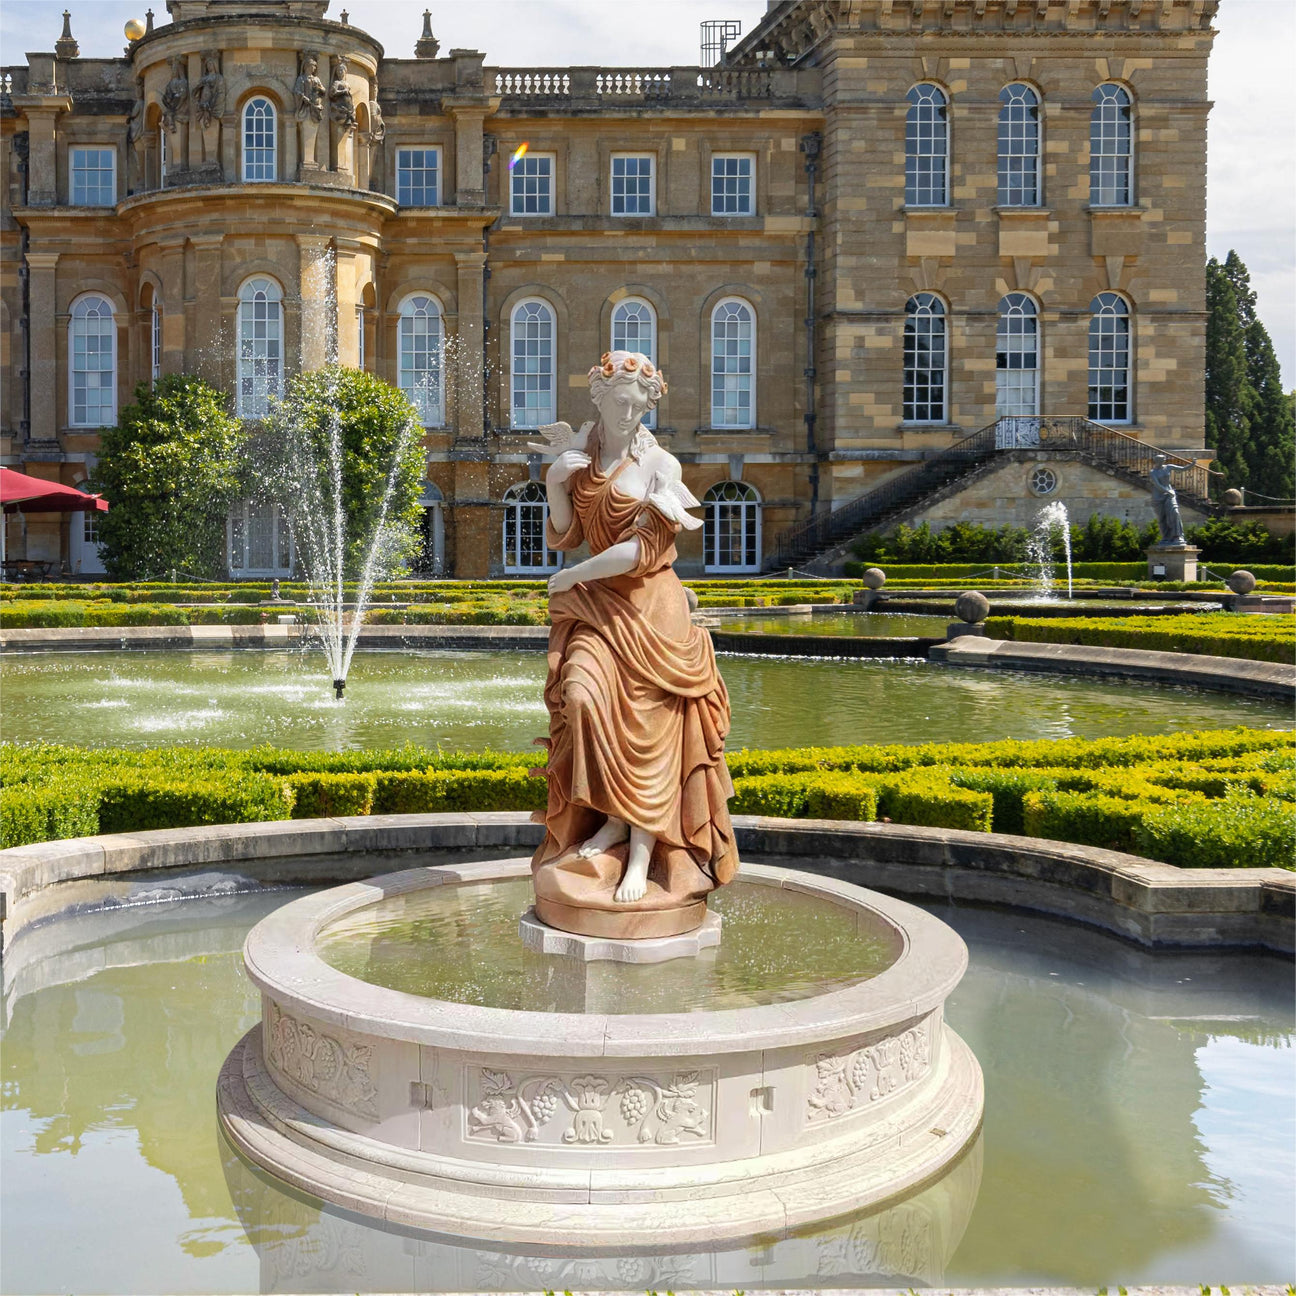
x=1139 y=1127
x=474 y=700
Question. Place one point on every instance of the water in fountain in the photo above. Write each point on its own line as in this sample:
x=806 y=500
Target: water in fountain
x=305 y=473
x=1039 y=548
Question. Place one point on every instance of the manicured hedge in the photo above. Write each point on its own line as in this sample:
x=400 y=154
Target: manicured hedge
x=1207 y=799
x=1267 y=637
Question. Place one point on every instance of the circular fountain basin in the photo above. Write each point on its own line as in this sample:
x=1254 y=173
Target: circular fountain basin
x=726 y=1095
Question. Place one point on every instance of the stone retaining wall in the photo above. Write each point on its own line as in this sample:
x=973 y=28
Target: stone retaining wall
x=1150 y=903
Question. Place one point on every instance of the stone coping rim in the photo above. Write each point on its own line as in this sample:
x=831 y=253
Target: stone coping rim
x=281 y=961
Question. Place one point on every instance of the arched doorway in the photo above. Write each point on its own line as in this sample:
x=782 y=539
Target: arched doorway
x=429 y=561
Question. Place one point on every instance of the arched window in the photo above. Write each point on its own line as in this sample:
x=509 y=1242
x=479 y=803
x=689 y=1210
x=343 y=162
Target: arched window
x=1019 y=146
x=927 y=147
x=1109 y=359
x=1111 y=148
x=1017 y=358
x=526 y=510
x=92 y=363
x=162 y=156
x=259 y=135
x=926 y=359
x=154 y=304
x=733 y=365
x=421 y=340
x=533 y=364
x=634 y=328
x=260 y=357
x=731 y=527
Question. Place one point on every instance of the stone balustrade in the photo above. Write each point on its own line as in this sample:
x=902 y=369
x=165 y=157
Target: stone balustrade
x=610 y=86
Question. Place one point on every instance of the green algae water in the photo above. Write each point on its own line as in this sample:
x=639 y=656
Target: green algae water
x=469 y=701
x=1139 y=1129
x=460 y=942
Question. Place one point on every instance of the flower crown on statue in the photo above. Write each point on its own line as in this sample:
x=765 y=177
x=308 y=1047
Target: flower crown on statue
x=628 y=364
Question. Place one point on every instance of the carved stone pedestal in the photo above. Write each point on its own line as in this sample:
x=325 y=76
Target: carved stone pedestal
x=1172 y=562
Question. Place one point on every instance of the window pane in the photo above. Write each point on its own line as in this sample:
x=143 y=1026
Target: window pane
x=732 y=186
x=634 y=329
x=1019 y=136
x=925 y=360
x=926 y=147
x=731 y=528
x=420 y=358
x=416 y=177
x=259 y=140
x=533 y=366
x=1111 y=176
x=91 y=333
x=731 y=366
x=260 y=348
x=1109 y=359
x=632 y=185
x=93 y=177
x=531 y=186
x=1017 y=358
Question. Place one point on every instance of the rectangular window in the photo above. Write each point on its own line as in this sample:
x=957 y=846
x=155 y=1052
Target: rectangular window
x=632 y=185
x=94 y=176
x=733 y=184
x=531 y=184
x=417 y=174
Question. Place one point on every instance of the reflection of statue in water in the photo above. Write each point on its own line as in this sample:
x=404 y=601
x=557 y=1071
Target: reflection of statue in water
x=1166 y=503
x=637 y=821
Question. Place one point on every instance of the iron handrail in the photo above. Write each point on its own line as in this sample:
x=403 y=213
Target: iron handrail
x=1071 y=432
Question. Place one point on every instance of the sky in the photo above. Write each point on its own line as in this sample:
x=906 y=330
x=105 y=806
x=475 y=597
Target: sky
x=1251 y=177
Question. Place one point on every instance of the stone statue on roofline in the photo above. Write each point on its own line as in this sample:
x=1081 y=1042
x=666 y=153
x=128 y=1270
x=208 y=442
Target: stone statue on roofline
x=637 y=829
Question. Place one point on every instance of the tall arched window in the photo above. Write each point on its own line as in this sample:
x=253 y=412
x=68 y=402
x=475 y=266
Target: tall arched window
x=421 y=339
x=731 y=528
x=1111 y=148
x=259 y=136
x=260 y=357
x=927 y=147
x=926 y=359
x=1019 y=146
x=92 y=363
x=526 y=510
x=733 y=364
x=1017 y=358
x=1109 y=359
x=634 y=328
x=532 y=332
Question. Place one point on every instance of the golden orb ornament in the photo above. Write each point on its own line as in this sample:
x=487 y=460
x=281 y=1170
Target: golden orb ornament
x=134 y=29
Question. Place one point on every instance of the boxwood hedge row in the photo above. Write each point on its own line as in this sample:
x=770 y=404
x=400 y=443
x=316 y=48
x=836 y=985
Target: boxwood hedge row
x=1216 y=798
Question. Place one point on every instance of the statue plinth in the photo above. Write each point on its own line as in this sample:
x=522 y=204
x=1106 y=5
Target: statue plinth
x=1172 y=562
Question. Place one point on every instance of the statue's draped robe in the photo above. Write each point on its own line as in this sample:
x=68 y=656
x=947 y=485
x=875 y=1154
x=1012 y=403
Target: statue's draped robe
x=638 y=717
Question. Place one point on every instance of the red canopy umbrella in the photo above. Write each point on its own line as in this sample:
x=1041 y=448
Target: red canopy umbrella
x=20 y=493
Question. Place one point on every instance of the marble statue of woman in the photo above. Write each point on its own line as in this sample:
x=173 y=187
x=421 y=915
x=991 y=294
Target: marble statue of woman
x=1165 y=502
x=637 y=828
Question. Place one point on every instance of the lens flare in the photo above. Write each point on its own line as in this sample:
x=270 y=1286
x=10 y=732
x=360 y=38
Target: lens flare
x=518 y=154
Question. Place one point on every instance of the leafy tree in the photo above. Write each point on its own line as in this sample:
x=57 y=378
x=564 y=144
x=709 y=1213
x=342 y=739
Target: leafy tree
x=1249 y=418
x=379 y=466
x=169 y=470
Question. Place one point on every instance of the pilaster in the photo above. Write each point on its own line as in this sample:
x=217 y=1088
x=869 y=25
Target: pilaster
x=470 y=360
x=42 y=112
x=43 y=323
x=208 y=309
x=319 y=300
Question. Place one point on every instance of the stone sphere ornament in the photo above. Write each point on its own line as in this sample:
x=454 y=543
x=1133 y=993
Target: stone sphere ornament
x=874 y=578
x=971 y=606
x=1241 y=582
x=1232 y=497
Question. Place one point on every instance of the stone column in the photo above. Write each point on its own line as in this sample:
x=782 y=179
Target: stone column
x=48 y=395
x=41 y=112
x=348 y=346
x=319 y=306
x=209 y=344
x=470 y=360
x=173 y=306
x=469 y=114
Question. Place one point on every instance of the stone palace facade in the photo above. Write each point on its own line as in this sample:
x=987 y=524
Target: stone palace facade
x=875 y=228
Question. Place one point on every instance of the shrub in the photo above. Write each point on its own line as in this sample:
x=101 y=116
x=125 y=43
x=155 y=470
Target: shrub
x=61 y=808
x=814 y=795
x=928 y=799
x=1236 y=831
x=326 y=796
x=137 y=803
x=1108 y=821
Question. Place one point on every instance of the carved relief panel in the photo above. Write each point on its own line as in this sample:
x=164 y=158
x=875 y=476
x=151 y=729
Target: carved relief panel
x=840 y=1083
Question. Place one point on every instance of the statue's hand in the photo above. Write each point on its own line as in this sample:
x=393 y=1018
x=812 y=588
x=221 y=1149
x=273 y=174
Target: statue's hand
x=562 y=580
x=567 y=463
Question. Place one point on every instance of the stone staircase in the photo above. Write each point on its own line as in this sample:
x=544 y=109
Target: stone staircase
x=827 y=535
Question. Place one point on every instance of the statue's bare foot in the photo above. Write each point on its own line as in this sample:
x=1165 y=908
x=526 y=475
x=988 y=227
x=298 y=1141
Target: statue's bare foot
x=613 y=833
x=634 y=884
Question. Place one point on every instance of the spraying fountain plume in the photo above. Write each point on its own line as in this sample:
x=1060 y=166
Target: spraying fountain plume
x=1039 y=548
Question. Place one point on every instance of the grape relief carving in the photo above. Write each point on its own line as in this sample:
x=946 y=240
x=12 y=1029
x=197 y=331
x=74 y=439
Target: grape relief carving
x=595 y=1110
x=322 y=1064
x=843 y=1082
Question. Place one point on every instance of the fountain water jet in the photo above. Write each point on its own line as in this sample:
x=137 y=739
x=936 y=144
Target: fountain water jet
x=1039 y=548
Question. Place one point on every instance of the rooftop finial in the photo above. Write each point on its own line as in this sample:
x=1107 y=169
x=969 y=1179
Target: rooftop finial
x=66 y=46
x=148 y=21
x=344 y=17
x=427 y=45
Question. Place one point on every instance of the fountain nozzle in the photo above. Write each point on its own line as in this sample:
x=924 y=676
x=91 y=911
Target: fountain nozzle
x=338 y=686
